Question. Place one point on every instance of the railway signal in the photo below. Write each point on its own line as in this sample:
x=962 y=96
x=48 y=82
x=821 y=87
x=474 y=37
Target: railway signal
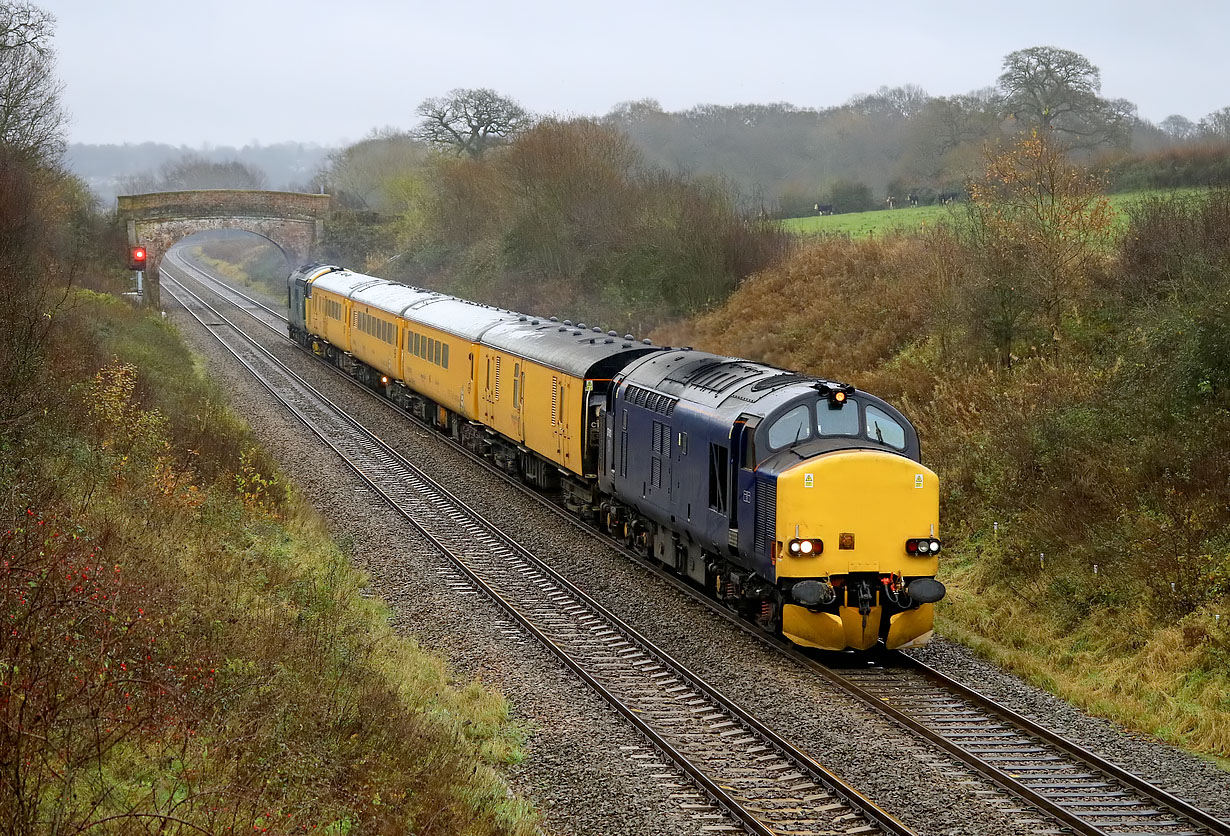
x=137 y=257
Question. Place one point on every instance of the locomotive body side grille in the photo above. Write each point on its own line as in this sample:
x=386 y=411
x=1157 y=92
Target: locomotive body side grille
x=766 y=516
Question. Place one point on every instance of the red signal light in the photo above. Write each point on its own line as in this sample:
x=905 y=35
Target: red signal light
x=137 y=256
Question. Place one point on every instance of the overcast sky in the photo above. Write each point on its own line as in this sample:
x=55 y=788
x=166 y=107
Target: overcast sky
x=229 y=72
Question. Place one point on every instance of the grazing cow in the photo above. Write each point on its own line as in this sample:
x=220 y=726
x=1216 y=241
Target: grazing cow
x=891 y=202
x=913 y=198
x=824 y=208
x=948 y=197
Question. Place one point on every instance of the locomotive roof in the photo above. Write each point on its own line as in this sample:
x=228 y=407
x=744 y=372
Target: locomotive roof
x=718 y=382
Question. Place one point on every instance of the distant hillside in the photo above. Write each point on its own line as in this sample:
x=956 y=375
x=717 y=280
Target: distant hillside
x=288 y=165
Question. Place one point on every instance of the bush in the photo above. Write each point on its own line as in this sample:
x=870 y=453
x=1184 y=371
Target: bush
x=189 y=651
x=851 y=196
x=568 y=220
x=1105 y=448
x=1186 y=166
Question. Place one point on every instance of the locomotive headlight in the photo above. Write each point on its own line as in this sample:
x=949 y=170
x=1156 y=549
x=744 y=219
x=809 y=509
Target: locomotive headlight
x=922 y=546
x=794 y=547
x=805 y=547
x=384 y=380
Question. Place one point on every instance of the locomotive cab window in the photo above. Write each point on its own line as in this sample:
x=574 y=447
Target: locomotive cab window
x=839 y=420
x=884 y=429
x=791 y=428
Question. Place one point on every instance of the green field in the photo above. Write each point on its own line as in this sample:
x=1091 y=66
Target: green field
x=885 y=221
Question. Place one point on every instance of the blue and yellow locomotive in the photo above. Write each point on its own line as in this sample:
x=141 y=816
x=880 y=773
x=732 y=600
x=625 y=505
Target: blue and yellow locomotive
x=800 y=502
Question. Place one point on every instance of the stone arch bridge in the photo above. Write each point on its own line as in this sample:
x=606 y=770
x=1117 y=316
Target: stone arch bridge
x=292 y=221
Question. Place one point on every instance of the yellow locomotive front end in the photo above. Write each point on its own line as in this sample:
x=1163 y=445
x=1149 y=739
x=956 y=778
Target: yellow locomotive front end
x=857 y=550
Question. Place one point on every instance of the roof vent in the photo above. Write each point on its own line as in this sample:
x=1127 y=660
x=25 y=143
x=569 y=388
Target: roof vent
x=597 y=330
x=534 y=322
x=576 y=333
x=522 y=319
x=608 y=340
x=562 y=329
x=646 y=342
x=611 y=334
x=568 y=322
x=582 y=325
x=627 y=345
x=629 y=337
x=555 y=319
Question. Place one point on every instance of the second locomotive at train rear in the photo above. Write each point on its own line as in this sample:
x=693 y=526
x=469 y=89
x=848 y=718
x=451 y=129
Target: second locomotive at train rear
x=801 y=502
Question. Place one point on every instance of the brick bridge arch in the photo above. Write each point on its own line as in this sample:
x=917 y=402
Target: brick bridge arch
x=291 y=220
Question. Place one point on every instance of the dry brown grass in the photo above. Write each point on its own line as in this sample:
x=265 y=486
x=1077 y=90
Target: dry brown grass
x=1100 y=448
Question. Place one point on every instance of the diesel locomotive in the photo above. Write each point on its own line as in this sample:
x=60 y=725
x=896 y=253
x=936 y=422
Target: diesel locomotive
x=800 y=502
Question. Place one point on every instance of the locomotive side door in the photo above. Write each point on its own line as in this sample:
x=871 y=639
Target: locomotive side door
x=743 y=477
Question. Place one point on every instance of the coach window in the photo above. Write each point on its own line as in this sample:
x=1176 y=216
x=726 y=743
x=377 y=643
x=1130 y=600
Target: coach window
x=842 y=420
x=436 y=354
x=792 y=427
x=884 y=429
x=445 y=363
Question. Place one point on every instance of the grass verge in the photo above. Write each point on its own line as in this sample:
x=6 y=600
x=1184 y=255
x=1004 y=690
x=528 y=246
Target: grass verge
x=187 y=649
x=252 y=262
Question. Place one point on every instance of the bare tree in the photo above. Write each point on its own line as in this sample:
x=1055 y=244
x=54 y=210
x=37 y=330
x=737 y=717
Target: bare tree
x=1178 y=127
x=1058 y=90
x=470 y=121
x=31 y=119
x=1217 y=124
x=192 y=171
x=366 y=175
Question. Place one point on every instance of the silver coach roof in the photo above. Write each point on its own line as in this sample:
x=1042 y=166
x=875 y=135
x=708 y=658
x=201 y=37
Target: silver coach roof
x=568 y=348
x=391 y=297
x=456 y=316
x=467 y=320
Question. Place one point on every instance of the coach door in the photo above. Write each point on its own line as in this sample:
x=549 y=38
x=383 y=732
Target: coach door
x=559 y=416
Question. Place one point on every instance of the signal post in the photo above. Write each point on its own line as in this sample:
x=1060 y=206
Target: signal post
x=140 y=262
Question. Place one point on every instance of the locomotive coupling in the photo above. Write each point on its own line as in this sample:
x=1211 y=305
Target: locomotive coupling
x=813 y=593
x=925 y=590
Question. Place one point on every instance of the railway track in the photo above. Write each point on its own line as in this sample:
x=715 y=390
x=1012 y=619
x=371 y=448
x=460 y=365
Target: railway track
x=1079 y=791
x=742 y=775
